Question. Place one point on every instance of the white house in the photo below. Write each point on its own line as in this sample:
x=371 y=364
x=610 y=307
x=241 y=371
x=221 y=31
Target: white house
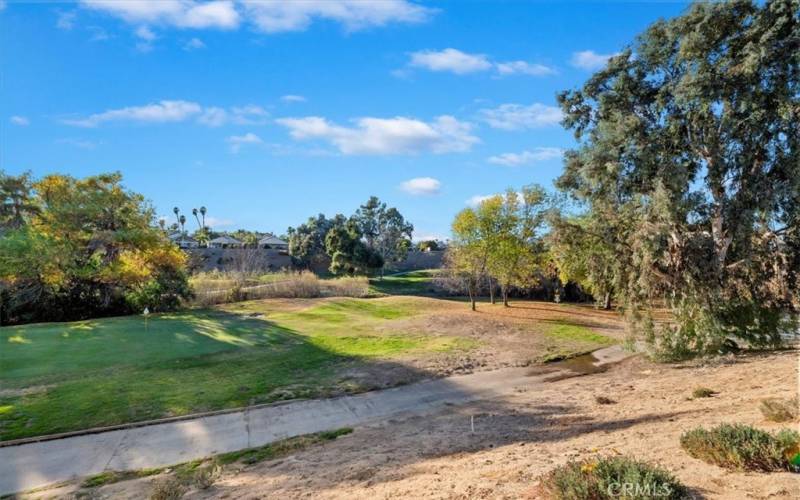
x=225 y=242
x=183 y=240
x=270 y=241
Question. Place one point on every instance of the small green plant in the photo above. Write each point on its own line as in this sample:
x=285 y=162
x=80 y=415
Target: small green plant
x=742 y=447
x=167 y=489
x=604 y=478
x=205 y=476
x=779 y=410
x=703 y=392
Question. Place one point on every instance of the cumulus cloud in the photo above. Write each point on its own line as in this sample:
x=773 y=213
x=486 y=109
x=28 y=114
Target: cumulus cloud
x=175 y=111
x=293 y=98
x=268 y=16
x=160 y=112
x=194 y=44
x=524 y=68
x=237 y=141
x=476 y=200
x=451 y=60
x=520 y=117
x=22 y=121
x=221 y=14
x=385 y=136
x=278 y=16
x=458 y=62
x=245 y=115
x=590 y=60
x=421 y=186
x=526 y=157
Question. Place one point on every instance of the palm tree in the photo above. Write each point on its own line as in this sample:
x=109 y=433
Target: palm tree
x=182 y=220
x=194 y=212
x=162 y=223
x=177 y=211
x=203 y=213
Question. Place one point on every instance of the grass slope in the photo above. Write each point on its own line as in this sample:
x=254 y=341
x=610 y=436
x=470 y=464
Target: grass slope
x=68 y=376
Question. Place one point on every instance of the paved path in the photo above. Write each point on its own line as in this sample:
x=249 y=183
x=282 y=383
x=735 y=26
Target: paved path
x=32 y=465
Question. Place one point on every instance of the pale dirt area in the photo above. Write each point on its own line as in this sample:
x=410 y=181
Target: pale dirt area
x=518 y=438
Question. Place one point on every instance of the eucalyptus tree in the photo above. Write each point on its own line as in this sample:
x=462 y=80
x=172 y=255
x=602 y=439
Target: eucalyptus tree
x=691 y=136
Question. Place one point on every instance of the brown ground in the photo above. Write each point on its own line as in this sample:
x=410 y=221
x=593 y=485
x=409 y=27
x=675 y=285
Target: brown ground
x=518 y=438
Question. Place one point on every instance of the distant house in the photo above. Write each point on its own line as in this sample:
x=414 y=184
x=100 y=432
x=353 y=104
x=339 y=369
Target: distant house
x=270 y=241
x=225 y=242
x=183 y=240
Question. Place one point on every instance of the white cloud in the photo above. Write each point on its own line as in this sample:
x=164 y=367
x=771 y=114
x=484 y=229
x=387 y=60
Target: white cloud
x=478 y=199
x=145 y=33
x=526 y=157
x=194 y=44
x=278 y=16
x=220 y=14
x=421 y=186
x=160 y=112
x=293 y=98
x=381 y=136
x=524 y=68
x=22 y=121
x=246 y=115
x=590 y=60
x=451 y=60
x=269 y=16
x=519 y=117
x=66 y=20
x=176 y=111
x=214 y=222
x=2 y=5
x=460 y=63
x=237 y=141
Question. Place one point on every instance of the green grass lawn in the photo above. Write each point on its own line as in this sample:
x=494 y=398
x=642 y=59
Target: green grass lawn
x=59 y=377
x=410 y=283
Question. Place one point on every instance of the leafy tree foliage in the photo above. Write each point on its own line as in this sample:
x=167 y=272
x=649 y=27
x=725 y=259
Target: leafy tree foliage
x=516 y=250
x=90 y=248
x=690 y=156
x=349 y=253
x=16 y=205
x=384 y=230
x=307 y=241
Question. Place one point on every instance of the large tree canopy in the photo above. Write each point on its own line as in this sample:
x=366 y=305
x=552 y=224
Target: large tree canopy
x=692 y=137
x=89 y=248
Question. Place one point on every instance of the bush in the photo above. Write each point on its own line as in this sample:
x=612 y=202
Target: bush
x=779 y=410
x=610 y=477
x=703 y=392
x=741 y=447
x=167 y=489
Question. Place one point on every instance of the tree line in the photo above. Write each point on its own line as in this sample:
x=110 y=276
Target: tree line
x=364 y=243
x=686 y=183
x=81 y=248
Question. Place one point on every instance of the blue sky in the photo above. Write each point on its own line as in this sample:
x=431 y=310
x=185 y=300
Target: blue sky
x=269 y=112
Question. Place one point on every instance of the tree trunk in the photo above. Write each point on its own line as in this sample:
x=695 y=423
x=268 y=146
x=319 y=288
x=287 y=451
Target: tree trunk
x=607 y=301
x=504 y=290
x=491 y=291
x=471 y=291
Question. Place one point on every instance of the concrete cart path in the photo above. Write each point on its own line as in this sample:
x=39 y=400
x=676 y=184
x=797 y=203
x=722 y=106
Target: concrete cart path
x=32 y=465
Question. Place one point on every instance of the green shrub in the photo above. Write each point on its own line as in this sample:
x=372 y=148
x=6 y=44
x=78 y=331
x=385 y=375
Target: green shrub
x=610 y=477
x=779 y=410
x=703 y=392
x=741 y=447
